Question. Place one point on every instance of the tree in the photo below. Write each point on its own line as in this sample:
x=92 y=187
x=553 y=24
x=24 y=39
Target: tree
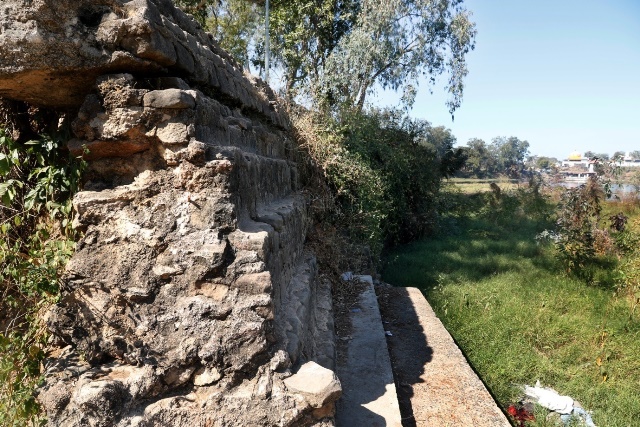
x=510 y=154
x=635 y=154
x=441 y=141
x=200 y=9
x=480 y=162
x=543 y=163
x=305 y=33
x=336 y=51
x=234 y=25
x=618 y=156
x=395 y=42
x=590 y=154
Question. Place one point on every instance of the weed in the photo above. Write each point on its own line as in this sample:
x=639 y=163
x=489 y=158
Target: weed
x=578 y=215
x=38 y=181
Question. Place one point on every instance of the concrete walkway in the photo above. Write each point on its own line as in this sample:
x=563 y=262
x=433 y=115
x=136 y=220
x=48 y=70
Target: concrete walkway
x=436 y=385
x=368 y=391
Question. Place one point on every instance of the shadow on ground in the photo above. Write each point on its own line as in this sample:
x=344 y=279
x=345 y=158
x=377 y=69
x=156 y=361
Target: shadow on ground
x=408 y=346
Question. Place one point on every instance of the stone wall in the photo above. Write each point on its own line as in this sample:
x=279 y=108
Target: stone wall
x=191 y=299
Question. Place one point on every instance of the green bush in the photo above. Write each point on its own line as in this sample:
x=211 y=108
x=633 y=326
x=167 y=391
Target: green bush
x=38 y=179
x=578 y=216
x=384 y=172
x=629 y=270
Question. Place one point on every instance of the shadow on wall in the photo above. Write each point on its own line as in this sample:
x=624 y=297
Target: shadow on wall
x=408 y=346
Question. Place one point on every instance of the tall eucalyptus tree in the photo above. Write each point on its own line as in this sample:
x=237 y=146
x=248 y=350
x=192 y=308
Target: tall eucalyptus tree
x=339 y=51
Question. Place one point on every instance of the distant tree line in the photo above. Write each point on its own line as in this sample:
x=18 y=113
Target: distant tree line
x=543 y=162
x=502 y=157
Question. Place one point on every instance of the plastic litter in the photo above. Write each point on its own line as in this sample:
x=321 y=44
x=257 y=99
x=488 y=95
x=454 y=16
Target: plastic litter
x=564 y=405
x=388 y=333
x=550 y=399
x=580 y=413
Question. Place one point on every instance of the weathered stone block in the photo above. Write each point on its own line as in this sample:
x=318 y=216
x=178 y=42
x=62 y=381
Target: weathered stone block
x=169 y=98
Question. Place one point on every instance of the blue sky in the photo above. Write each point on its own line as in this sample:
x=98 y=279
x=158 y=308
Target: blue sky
x=563 y=75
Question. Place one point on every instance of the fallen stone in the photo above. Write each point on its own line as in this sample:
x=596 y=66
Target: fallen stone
x=319 y=386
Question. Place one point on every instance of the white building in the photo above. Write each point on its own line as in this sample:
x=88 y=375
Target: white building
x=628 y=161
x=576 y=159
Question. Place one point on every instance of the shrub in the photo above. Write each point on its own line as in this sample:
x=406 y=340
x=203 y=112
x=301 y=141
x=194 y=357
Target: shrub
x=629 y=280
x=536 y=200
x=356 y=198
x=628 y=271
x=578 y=216
x=383 y=172
x=38 y=179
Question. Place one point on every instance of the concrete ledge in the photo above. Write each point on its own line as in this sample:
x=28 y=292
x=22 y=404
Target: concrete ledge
x=368 y=391
x=436 y=385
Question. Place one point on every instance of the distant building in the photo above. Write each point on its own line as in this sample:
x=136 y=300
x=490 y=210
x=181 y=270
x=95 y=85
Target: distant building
x=576 y=159
x=628 y=161
x=578 y=175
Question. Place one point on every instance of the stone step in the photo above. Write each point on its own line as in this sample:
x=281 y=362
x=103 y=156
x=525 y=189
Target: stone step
x=364 y=369
x=436 y=385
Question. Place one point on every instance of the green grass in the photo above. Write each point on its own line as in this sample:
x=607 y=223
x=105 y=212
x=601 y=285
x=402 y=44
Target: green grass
x=476 y=185
x=519 y=319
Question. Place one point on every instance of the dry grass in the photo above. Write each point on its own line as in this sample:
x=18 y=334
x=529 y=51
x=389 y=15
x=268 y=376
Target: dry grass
x=472 y=185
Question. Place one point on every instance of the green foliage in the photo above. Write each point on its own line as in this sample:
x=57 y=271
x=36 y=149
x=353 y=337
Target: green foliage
x=544 y=162
x=519 y=318
x=618 y=156
x=357 y=190
x=628 y=242
x=235 y=24
x=393 y=44
x=536 y=200
x=629 y=280
x=404 y=152
x=304 y=35
x=200 y=9
x=37 y=182
x=385 y=171
x=635 y=181
x=578 y=215
x=511 y=154
x=336 y=51
x=504 y=156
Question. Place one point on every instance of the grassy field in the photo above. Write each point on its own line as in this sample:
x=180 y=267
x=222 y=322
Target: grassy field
x=474 y=185
x=519 y=319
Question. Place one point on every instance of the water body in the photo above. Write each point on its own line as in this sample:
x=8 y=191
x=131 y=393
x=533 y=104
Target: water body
x=616 y=189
